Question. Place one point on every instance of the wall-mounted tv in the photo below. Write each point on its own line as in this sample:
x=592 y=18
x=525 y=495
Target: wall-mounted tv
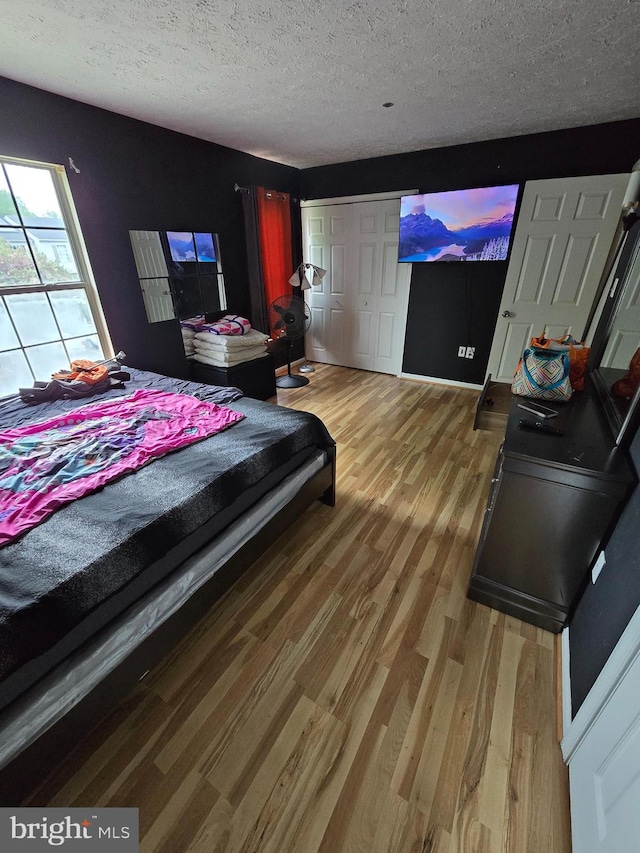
x=461 y=225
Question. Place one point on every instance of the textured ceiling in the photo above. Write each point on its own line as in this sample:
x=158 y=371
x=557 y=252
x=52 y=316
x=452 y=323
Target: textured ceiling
x=303 y=82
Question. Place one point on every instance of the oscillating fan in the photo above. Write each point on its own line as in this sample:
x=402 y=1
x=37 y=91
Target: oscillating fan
x=289 y=318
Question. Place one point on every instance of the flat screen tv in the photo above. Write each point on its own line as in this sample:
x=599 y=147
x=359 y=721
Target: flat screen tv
x=462 y=225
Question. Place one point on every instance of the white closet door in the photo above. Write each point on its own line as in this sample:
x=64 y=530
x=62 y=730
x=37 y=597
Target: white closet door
x=359 y=310
x=325 y=245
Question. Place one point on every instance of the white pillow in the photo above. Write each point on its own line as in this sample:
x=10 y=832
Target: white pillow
x=229 y=342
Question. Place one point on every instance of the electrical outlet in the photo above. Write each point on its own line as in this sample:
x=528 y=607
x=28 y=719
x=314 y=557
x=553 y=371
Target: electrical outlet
x=462 y=352
x=470 y=352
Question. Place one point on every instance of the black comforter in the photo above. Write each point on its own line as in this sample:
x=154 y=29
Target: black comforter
x=65 y=579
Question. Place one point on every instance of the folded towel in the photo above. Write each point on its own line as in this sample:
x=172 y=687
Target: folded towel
x=233 y=357
x=230 y=342
x=216 y=361
x=230 y=324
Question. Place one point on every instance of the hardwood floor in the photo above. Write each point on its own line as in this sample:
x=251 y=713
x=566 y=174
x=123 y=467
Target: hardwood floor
x=345 y=695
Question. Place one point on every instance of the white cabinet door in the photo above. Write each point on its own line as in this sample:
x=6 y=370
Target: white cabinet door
x=563 y=235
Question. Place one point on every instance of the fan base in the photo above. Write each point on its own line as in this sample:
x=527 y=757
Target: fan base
x=288 y=381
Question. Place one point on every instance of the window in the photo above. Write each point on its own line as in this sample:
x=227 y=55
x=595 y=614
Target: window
x=49 y=308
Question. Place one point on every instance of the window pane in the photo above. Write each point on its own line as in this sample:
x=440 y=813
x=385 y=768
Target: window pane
x=73 y=313
x=47 y=359
x=14 y=372
x=88 y=347
x=33 y=317
x=7 y=207
x=48 y=246
x=36 y=195
x=8 y=337
x=16 y=264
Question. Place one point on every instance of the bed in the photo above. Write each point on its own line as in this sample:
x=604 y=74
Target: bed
x=102 y=589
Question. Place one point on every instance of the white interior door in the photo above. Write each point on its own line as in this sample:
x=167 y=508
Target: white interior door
x=625 y=332
x=562 y=239
x=359 y=311
x=153 y=274
x=604 y=767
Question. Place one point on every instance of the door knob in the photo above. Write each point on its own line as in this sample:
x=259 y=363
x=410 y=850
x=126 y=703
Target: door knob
x=506 y=313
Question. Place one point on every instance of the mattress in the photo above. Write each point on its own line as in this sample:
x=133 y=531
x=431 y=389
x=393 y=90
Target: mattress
x=40 y=707
x=68 y=578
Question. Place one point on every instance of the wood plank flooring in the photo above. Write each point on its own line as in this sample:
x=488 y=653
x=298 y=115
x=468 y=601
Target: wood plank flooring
x=345 y=695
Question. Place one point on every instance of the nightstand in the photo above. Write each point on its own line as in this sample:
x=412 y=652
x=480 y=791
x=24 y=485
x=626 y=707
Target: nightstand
x=254 y=378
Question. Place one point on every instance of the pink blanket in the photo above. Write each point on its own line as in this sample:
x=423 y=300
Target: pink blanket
x=45 y=465
x=230 y=324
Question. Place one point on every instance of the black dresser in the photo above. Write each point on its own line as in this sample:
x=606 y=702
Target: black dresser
x=254 y=378
x=552 y=504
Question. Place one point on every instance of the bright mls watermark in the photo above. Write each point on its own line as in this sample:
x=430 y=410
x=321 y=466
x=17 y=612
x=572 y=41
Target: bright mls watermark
x=80 y=830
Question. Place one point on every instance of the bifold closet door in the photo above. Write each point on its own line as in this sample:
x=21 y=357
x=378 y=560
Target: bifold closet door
x=359 y=311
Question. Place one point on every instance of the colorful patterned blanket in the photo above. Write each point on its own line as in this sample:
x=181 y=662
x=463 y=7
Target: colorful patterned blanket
x=45 y=465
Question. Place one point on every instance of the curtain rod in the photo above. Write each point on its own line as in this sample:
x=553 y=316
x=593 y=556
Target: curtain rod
x=240 y=189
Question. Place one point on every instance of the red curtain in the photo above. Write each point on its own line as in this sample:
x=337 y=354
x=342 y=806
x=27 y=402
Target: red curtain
x=274 y=222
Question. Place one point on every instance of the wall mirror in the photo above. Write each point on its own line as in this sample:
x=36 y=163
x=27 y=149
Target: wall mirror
x=180 y=273
x=616 y=339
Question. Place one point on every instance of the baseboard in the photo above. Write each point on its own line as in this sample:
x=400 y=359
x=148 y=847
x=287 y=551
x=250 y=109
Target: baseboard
x=280 y=371
x=436 y=380
x=627 y=650
x=566 y=681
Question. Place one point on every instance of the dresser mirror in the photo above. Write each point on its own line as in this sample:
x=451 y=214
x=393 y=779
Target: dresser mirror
x=616 y=339
x=180 y=273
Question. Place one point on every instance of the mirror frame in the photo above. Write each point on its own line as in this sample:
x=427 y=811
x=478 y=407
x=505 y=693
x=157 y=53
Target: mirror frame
x=623 y=420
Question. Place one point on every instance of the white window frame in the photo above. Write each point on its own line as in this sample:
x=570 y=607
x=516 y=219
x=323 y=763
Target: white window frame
x=78 y=248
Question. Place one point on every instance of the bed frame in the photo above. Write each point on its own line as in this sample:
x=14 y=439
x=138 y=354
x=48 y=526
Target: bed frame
x=30 y=768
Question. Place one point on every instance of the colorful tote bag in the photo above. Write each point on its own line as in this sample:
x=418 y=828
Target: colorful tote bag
x=543 y=375
x=578 y=356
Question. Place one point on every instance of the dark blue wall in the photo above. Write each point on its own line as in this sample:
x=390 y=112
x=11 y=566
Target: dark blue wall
x=449 y=307
x=135 y=175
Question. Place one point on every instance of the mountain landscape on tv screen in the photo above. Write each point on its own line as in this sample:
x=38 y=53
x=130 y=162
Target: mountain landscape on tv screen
x=463 y=225
x=181 y=246
x=205 y=250
x=423 y=238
